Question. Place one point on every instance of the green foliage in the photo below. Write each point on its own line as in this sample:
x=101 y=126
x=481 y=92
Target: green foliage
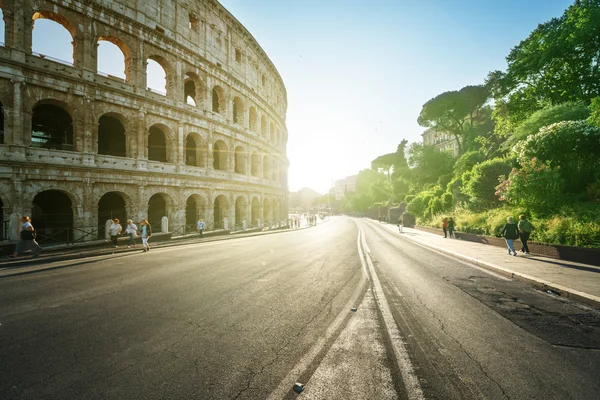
x=467 y=161
x=428 y=164
x=574 y=146
x=558 y=62
x=481 y=187
x=435 y=206
x=569 y=111
x=447 y=201
x=594 y=118
x=459 y=112
x=535 y=186
x=418 y=206
x=409 y=198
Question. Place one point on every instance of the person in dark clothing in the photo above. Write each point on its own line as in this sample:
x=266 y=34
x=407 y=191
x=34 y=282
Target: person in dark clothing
x=450 y=227
x=510 y=232
x=146 y=234
x=525 y=228
x=445 y=227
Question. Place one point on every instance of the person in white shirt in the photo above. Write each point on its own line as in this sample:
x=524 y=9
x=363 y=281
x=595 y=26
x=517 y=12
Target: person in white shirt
x=131 y=230
x=115 y=230
x=27 y=241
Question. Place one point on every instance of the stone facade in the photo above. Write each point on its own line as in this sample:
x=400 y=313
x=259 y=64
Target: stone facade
x=443 y=141
x=224 y=157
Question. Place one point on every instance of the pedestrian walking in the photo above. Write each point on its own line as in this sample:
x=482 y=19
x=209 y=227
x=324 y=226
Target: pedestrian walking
x=445 y=227
x=201 y=227
x=27 y=241
x=145 y=233
x=451 y=227
x=510 y=231
x=525 y=229
x=131 y=231
x=400 y=223
x=115 y=230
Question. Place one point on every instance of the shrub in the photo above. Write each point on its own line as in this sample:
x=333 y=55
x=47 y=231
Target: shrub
x=447 y=201
x=466 y=162
x=594 y=118
x=435 y=206
x=481 y=187
x=408 y=220
x=535 y=186
x=409 y=198
x=417 y=206
x=573 y=146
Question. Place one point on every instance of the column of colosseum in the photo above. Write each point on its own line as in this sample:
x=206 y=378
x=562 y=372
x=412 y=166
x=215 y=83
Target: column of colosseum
x=79 y=146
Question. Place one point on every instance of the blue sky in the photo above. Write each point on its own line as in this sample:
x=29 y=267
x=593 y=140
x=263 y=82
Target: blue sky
x=358 y=71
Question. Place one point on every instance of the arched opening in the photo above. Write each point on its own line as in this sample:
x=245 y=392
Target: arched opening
x=157 y=75
x=218 y=100
x=114 y=58
x=240 y=211
x=110 y=206
x=2 y=26
x=267 y=211
x=274 y=172
x=272 y=131
x=51 y=127
x=263 y=126
x=255 y=210
x=52 y=217
x=240 y=160
x=254 y=164
x=3 y=225
x=1 y=123
x=253 y=116
x=266 y=167
x=111 y=137
x=192 y=89
x=238 y=111
x=157 y=145
x=220 y=155
x=53 y=37
x=157 y=208
x=194 y=211
x=221 y=211
x=190 y=151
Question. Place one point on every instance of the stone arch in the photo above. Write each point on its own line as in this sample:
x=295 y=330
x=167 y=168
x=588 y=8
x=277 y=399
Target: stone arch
x=272 y=132
x=253 y=119
x=194 y=150
x=112 y=205
x=263 y=126
x=255 y=210
x=240 y=158
x=193 y=89
x=220 y=159
x=124 y=48
x=51 y=125
x=52 y=216
x=241 y=206
x=255 y=164
x=195 y=209
x=220 y=210
x=159 y=205
x=238 y=110
x=266 y=168
x=166 y=67
x=62 y=21
x=112 y=137
x=267 y=211
x=159 y=143
x=218 y=100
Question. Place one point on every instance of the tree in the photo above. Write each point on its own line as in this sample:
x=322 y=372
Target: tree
x=481 y=186
x=428 y=164
x=389 y=161
x=459 y=113
x=557 y=63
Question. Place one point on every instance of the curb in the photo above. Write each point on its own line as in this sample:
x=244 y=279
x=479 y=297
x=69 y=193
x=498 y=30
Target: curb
x=29 y=262
x=562 y=291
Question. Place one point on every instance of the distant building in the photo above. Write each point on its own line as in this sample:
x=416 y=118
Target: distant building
x=343 y=186
x=443 y=141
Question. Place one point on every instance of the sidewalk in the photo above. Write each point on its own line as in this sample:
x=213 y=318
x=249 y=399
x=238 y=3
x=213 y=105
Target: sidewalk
x=580 y=282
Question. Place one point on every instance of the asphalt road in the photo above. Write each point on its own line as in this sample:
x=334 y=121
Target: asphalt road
x=247 y=318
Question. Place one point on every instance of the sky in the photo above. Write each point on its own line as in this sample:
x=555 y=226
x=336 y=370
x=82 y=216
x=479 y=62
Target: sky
x=357 y=72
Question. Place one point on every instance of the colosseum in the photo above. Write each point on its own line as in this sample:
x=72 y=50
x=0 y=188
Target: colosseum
x=79 y=146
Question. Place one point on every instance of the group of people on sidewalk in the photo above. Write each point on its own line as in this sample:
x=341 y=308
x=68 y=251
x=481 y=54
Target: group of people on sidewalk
x=144 y=231
x=511 y=232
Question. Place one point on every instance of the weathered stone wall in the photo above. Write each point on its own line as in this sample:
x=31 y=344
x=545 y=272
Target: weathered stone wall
x=199 y=39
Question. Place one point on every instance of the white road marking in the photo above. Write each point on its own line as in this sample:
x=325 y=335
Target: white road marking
x=409 y=377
